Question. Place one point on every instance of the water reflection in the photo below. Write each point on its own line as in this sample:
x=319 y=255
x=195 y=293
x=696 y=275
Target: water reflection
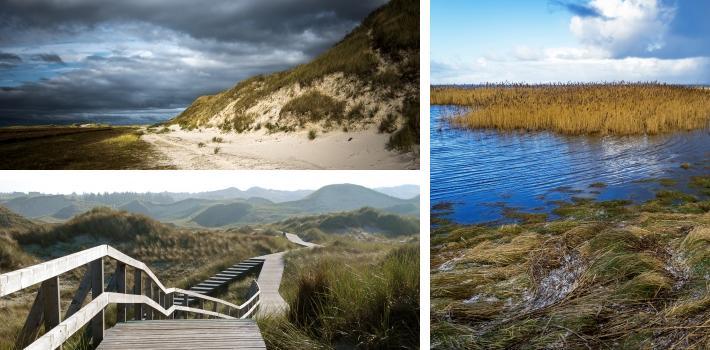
x=484 y=171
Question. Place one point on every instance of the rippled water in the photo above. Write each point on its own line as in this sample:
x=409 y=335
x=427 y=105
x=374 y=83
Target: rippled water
x=483 y=171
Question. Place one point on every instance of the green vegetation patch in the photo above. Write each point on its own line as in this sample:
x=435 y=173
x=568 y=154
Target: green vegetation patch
x=349 y=294
x=314 y=106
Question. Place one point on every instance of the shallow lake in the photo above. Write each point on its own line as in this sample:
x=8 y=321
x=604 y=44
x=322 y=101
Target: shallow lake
x=482 y=172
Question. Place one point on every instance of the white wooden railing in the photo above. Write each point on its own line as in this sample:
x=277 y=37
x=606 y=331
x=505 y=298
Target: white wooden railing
x=151 y=300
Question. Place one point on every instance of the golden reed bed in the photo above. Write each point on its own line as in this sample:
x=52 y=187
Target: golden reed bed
x=615 y=108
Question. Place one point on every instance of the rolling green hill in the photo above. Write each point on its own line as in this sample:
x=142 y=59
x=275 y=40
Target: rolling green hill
x=344 y=197
x=370 y=77
x=364 y=220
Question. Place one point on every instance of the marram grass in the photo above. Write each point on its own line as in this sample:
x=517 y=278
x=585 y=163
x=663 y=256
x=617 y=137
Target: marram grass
x=613 y=108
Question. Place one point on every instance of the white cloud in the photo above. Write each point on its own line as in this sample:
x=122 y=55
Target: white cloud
x=625 y=27
x=685 y=70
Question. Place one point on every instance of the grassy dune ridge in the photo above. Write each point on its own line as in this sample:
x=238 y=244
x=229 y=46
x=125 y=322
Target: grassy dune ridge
x=605 y=275
x=610 y=108
x=381 y=55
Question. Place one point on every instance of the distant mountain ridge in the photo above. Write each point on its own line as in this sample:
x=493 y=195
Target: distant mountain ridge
x=219 y=208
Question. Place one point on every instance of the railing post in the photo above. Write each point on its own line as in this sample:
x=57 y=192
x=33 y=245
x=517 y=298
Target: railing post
x=169 y=303
x=161 y=301
x=120 y=288
x=97 y=287
x=186 y=300
x=149 y=294
x=201 y=304
x=137 y=290
x=52 y=307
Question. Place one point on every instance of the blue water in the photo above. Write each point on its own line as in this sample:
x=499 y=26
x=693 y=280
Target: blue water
x=483 y=171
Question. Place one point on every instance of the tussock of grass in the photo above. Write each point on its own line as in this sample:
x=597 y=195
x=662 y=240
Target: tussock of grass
x=351 y=294
x=617 y=108
x=314 y=106
x=611 y=274
x=125 y=138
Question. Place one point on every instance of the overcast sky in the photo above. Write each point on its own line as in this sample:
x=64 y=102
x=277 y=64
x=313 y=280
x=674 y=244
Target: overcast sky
x=146 y=59
x=570 y=40
x=195 y=180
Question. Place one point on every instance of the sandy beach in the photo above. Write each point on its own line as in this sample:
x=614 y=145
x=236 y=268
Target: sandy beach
x=257 y=150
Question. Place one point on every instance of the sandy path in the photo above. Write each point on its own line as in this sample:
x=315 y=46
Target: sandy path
x=333 y=150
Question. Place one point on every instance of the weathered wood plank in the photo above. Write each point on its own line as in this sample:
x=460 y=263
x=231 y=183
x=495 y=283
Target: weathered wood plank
x=80 y=294
x=120 y=277
x=184 y=334
x=97 y=288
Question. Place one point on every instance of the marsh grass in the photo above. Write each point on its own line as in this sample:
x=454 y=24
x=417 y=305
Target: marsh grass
x=614 y=108
x=604 y=275
x=350 y=294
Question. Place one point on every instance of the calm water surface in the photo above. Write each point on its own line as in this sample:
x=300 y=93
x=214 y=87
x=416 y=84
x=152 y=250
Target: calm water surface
x=484 y=171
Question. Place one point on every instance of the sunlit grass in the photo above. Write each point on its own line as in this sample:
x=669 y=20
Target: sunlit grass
x=349 y=294
x=617 y=108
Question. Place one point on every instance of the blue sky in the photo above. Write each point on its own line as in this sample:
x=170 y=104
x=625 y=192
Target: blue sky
x=539 y=41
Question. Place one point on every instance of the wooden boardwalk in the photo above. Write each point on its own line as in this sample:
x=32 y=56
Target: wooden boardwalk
x=221 y=280
x=184 y=334
x=270 y=278
x=163 y=318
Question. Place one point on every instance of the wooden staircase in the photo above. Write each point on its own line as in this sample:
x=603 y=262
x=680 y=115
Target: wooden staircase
x=221 y=280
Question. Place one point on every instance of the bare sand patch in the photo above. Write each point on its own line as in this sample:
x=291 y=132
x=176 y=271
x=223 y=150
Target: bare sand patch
x=195 y=149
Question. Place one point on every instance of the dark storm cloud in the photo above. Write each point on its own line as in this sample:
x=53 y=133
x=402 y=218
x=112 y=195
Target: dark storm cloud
x=147 y=55
x=274 y=21
x=576 y=8
x=9 y=60
x=47 y=57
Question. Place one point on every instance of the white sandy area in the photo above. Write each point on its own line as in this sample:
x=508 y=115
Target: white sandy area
x=257 y=150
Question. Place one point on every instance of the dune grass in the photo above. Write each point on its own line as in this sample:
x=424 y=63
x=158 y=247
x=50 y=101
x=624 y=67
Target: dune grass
x=615 y=108
x=349 y=294
x=605 y=275
x=87 y=148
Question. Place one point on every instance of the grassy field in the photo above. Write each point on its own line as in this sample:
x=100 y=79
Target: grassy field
x=75 y=148
x=179 y=257
x=621 y=109
x=349 y=294
x=605 y=275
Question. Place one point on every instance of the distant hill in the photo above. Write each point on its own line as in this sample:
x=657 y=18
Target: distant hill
x=222 y=214
x=68 y=211
x=276 y=196
x=36 y=206
x=344 y=197
x=12 y=221
x=364 y=220
x=369 y=78
x=402 y=192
